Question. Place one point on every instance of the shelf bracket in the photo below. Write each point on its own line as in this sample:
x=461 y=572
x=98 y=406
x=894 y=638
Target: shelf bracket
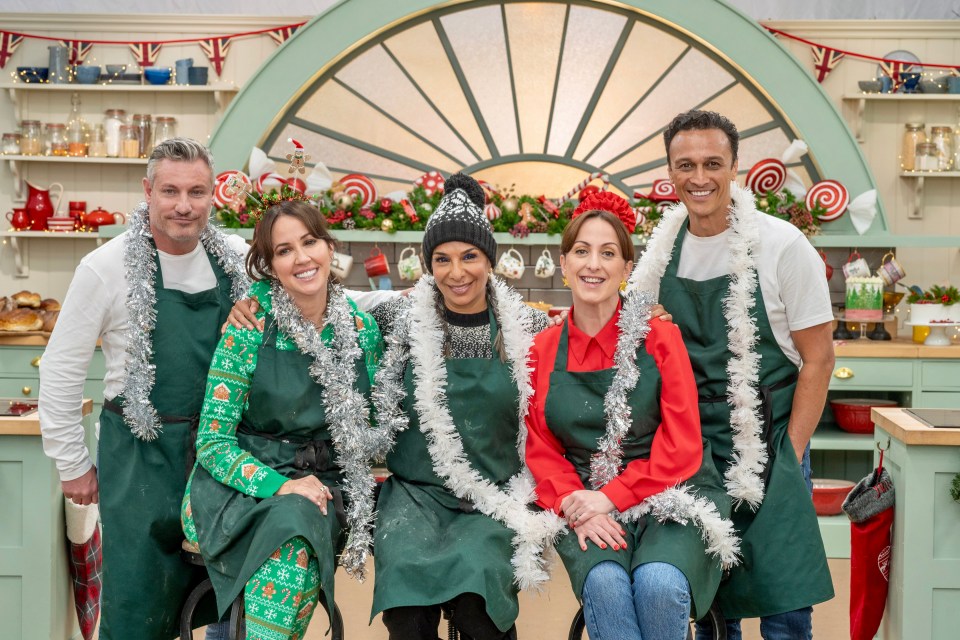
x=17 y=111
x=222 y=99
x=916 y=213
x=858 y=120
x=21 y=256
x=17 y=181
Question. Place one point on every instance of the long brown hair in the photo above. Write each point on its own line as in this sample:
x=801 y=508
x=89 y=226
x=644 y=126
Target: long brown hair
x=572 y=230
x=260 y=256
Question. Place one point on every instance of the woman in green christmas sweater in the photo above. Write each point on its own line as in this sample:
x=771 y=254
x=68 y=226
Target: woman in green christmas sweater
x=281 y=449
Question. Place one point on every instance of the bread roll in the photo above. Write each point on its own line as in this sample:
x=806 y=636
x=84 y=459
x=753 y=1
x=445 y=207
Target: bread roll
x=27 y=299
x=50 y=304
x=20 y=320
x=49 y=319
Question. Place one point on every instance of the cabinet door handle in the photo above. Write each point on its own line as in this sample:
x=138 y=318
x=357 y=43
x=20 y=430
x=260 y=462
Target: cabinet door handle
x=26 y=391
x=35 y=362
x=843 y=373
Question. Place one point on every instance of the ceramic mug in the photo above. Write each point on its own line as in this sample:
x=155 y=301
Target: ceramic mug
x=340 y=265
x=376 y=264
x=856 y=267
x=510 y=264
x=545 y=266
x=409 y=265
x=890 y=270
x=19 y=219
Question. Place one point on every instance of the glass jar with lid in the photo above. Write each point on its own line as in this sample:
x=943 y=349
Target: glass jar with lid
x=914 y=134
x=112 y=119
x=30 y=138
x=942 y=138
x=129 y=141
x=144 y=125
x=165 y=127
x=926 y=157
x=55 y=139
x=98 y=142
x=76 y=140
x=11 y=144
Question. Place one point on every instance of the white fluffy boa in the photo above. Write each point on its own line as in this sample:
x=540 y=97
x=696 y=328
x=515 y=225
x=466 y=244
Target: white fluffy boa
x=679 y=503
x=743 y=478
x=419 y=336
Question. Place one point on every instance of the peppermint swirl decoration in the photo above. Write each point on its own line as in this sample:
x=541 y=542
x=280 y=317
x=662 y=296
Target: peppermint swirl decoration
x=829 y=195
x=360 y=187
x=767 y=176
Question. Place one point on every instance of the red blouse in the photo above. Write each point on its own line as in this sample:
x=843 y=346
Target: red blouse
x=677 y=450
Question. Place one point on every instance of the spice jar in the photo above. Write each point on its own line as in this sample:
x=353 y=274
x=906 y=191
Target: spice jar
x=30 y=144
x=166 y=128
x=98 y=142
x=942 y=138
x=144 y=125
x=926 y=157
x=129 y=141
x=76 y=140
x=913 y=135
x=55 y=139
x=11 y=144
x=112 y=120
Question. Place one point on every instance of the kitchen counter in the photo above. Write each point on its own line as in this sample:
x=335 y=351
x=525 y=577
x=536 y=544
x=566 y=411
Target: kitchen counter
x=896 y=348
x=908 y=430
x=29 y=425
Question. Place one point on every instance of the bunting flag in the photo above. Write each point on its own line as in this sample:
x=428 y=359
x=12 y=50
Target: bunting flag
x=216 y=50
x=79 y=50
x=893 y=69
x=8 y=44
x=145 y=53
x=825 y=60
x=283 y=34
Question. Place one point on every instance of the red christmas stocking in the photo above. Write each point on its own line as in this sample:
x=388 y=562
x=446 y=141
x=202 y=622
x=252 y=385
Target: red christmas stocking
x=869 y=573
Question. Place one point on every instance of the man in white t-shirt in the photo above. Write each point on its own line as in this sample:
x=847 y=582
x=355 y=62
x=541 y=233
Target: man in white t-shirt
x=749 y=294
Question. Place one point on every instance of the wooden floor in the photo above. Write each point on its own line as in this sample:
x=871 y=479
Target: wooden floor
x=548 y=616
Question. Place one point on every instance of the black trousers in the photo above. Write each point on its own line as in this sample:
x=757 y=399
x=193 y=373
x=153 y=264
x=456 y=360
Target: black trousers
x=468 y=613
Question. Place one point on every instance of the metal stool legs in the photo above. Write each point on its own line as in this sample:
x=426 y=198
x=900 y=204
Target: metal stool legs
x=714 y=615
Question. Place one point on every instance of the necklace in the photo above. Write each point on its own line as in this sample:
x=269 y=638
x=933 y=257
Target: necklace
x=743 y=479
x=347 y=411
x=419 y=338
x=140 y=268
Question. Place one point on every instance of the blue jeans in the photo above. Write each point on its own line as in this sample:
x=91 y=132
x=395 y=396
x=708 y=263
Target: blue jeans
x=655 y=604
x=792 y=625
x=217 y=631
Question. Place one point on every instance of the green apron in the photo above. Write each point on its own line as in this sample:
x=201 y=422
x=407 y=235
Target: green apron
x=575 y=414
x=142 y=483
x=284 y=426
x=429 y=546
x=784 y=565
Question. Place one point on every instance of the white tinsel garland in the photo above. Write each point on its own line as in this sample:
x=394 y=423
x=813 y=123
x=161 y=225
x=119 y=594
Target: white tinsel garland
x=139 y=266
x=743 y=478
x=421 y=330
x=347 y=411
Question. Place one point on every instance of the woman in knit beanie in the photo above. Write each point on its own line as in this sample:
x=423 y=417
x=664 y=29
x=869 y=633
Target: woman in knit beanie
x=449 y=394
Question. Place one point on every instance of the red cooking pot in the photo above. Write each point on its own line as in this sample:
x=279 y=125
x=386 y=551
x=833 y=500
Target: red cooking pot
x=853 y=414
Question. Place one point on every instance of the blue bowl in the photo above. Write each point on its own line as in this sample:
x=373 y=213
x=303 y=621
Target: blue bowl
x=910 y=81
x=88 y=73
x=157 y=75
x=32 y=75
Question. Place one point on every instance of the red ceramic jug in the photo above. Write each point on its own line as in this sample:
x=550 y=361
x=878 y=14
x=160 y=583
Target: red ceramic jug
x=18 y=219
x=39 y=207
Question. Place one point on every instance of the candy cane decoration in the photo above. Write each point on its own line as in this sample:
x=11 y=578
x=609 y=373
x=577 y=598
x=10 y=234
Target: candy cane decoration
x=829 y=195
x=593 y=176
x=360 y=187
x=768 y=175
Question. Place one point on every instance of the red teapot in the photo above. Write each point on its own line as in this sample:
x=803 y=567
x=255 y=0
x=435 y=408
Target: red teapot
x=100 y=217
x=39 y=207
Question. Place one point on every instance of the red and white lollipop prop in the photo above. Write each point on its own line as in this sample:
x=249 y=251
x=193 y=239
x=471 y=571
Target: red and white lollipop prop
x=663 y=191
x=431 y=182
x=360 y=187
x=829 y=195
x=767 y=176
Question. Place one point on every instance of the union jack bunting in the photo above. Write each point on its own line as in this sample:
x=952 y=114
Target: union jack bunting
x=216 y=50
x=79 y=50
x=8 y=44
x=825 y=60
x=145 y=53
x=893 y=69
x=283 y=34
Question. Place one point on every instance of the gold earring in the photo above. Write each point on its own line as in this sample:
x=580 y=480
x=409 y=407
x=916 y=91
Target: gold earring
x=623 y=285
x=565 y=283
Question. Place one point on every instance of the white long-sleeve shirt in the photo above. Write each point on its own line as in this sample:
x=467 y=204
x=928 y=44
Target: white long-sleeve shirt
x=95 y=309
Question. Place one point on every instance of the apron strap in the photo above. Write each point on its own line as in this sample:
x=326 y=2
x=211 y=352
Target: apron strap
x=560 y=363
x=311 y=456
x=114 y=407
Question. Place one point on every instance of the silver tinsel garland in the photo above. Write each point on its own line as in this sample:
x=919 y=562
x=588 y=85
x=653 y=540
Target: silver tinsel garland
x=140 y=268
x=347 y=411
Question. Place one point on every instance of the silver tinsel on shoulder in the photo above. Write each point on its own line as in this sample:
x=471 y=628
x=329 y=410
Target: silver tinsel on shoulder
x=679 y=504
x=347 y=411
x=140 y=268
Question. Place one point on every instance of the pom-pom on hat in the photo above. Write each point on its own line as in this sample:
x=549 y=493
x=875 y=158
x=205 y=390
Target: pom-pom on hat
x=459 y=218
x=608 y=201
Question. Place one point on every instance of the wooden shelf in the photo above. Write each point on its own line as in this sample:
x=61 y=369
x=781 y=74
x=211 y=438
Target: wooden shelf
x=860 y=101
x=75 y=160
x=18 y=241
x=919 y=177
x=830 y=437
x=135 y=88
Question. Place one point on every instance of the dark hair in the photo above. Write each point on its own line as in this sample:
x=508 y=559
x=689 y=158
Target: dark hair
x=572 y=230
x=700 y=120
x=260 y=256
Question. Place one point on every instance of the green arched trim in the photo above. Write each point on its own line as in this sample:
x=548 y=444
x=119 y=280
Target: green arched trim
x=741 y=41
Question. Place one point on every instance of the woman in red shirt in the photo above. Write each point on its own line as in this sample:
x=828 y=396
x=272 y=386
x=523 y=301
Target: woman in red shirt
x=614 y=445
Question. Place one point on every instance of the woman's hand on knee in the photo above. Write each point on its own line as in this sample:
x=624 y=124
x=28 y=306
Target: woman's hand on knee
x=582 y=505
x=602 y=530
x=243 y=315
x=310 y=488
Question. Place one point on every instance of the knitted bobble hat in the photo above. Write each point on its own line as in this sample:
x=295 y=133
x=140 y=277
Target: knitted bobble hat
x=459 y=218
